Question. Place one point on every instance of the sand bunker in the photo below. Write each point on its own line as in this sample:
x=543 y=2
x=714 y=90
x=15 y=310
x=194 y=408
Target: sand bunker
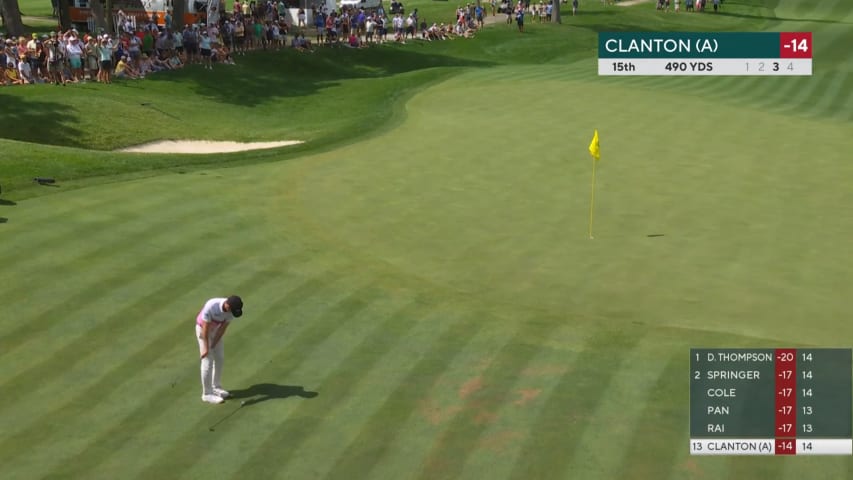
x=204 y=146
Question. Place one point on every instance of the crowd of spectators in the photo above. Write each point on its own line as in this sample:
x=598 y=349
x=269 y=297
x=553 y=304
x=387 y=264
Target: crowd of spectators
x=689 y=5
x=67 y=57
x=138 y=50
x=357 y=28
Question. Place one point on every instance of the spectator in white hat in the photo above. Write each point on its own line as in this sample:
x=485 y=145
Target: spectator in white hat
x=74 y=49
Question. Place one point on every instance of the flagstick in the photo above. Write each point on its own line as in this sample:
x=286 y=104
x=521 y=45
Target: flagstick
x=592 y=198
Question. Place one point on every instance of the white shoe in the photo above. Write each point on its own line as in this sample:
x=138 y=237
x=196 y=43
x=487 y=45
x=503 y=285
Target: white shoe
x=221 y=392
x=212 y=399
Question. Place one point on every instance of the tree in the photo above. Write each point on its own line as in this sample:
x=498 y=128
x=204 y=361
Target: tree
x=179 y=9
x=108 y=14
x=12 y=17
x=64 y=15
x=98 y=14
x=555 y=12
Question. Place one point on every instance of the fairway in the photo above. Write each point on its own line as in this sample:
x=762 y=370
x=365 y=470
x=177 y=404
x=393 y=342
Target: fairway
x=422 y=299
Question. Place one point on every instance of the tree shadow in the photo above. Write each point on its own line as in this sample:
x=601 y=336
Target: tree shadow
x=258 y=78
x=779 y=19
x=262 y=76
x=592 y=13
x=56 y=121
x=617 y=27
x=262 y=392
x=7 y=203
x=3 y=219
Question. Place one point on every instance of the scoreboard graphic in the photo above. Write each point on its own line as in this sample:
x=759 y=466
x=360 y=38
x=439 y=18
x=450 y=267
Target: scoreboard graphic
x=771 y=401
x=692 y=53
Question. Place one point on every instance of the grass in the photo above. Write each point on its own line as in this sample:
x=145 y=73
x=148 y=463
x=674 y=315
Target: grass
x=37 y=16
x=421 y=262
x=36 y=8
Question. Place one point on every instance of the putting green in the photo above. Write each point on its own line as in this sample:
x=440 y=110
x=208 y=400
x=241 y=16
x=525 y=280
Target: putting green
x=701 y=221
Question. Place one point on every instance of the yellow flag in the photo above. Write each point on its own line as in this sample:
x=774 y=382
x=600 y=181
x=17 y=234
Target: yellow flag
x=593 y=147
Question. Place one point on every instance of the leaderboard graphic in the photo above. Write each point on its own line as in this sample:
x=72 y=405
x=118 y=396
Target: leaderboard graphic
x=691 y=53
x=771 y=401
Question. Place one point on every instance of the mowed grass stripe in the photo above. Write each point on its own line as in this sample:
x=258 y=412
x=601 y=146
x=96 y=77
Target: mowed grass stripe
x=777 y=91
x=581 y=70
x=97 y=270
x=263 y=345
x=566 y=412
x=133 y=397
x=63 y=239
x=383 y=427
x=84 y=397
x=539 y=73
x=105 y=285
x=831 y=467
x=144 y=414
x=731 y=89
x=78 y=327
x=562 y=72
x=829 y=51
x=810 y=93
x=743 y=88
x=638 y=82
x=746 y=466
x=845 y=108
x=451 y=449
x=839 y=89
x=686 y=466
x=361 y=463
x=739 y=90
x=62 y=225
x=663 y=428
x=182 y=455
x=616 y=415
x=336 y=388
x=39 y=212
x=98 y=249
x=305 y=290
x=393 y=329
x=682 y=464
x=497 y=449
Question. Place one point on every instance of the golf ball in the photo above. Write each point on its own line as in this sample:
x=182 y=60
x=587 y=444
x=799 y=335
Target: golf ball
x=242 y=403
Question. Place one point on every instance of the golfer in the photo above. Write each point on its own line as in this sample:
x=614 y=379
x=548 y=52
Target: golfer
x=210 y=327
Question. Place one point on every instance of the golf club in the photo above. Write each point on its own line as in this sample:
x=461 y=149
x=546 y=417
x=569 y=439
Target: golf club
x=213 y=427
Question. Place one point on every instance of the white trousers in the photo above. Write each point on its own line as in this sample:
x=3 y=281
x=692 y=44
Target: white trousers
x=211 y=365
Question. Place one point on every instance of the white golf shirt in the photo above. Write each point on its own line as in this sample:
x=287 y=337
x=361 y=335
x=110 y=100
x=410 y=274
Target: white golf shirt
x=213 y=314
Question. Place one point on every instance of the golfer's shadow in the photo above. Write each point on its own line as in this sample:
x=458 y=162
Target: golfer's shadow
x=262 y=392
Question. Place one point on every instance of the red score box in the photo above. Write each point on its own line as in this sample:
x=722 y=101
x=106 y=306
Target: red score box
x=785 y=447
x=795 y=45
x=786 y=392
